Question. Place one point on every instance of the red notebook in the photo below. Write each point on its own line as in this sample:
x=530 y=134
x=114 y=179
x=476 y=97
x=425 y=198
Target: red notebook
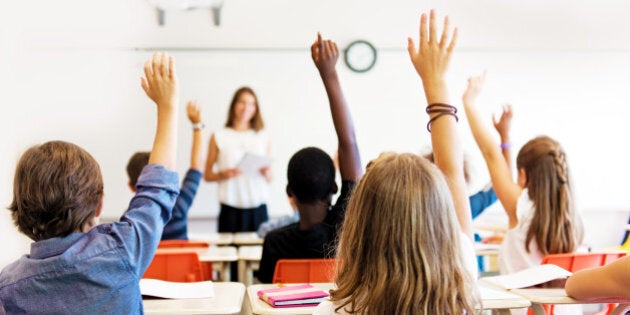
x=292 y=296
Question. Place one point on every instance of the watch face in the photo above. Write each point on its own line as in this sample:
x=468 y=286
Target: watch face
x=360 y=56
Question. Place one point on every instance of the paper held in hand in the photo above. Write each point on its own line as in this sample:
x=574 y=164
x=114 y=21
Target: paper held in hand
x=528 y=277
x=176 y=290
x=251 y=164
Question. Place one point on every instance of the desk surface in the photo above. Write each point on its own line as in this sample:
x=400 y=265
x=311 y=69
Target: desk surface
x=247 y=238
x=492 y=299
x=228 y=299
x=250 y=252
x=213 y=238
x=212 y=253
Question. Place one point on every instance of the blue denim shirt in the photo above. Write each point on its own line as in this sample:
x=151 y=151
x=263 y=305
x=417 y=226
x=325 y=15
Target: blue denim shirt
x=95 y=272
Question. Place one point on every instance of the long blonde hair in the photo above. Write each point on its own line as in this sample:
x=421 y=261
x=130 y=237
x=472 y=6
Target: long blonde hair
x=399 y=248
x=556 y=226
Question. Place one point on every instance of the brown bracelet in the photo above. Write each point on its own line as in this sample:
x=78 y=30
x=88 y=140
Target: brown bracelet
x=441 y=108
x=438 y=116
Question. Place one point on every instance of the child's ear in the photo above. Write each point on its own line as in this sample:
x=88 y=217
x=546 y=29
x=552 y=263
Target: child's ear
x=99 y=208
x=289 y=192
x=522 y=178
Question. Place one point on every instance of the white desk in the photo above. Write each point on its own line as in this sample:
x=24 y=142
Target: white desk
x=248 y=261
x=213 y=238
x=228 y=299
x=492 y=252
x=247 y=238
x=557 y=296
x=492 y=299
x=219 y=256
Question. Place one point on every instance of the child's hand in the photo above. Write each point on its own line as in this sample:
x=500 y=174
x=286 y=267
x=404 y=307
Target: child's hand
x=475 y=84
x=325 y=55
x=160 y=81
x=432 y=56
x=193 y=110
x=504 y=122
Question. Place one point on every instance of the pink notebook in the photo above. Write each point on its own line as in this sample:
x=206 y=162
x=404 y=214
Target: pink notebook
x=292 y=296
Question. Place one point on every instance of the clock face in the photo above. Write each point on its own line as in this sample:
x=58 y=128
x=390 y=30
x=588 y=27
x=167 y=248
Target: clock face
x=360 y=56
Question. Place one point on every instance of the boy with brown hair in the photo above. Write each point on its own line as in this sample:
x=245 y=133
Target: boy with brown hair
x=177 y=226
x=76 y=266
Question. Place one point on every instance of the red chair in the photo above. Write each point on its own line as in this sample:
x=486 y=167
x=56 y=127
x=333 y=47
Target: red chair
x=182 y=244
x=577 y=261
x=176 y=267
x=304 y=270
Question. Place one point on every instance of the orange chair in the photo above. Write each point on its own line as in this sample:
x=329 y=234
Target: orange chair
x=182 y=244
x=304 y=270
x=176 y=267
x=577 y=261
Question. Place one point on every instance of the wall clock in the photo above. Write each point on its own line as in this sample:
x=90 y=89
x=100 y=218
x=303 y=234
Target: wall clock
x=360 y=56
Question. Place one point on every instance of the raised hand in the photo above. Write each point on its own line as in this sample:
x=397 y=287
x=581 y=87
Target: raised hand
x=504 y=122
x=432 y=55
x=475 y=85
x=325 y=54
x=160 y=80
x=193 y=110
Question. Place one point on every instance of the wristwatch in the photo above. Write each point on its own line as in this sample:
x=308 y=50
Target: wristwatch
x=199 y=126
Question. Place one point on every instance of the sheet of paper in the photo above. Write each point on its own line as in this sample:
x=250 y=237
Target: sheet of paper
x=176 y=290
x=251 y=164
x=528 y=277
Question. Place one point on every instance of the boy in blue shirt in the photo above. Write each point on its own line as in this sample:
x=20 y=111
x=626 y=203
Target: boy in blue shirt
x=75 y=265
x=177 y=227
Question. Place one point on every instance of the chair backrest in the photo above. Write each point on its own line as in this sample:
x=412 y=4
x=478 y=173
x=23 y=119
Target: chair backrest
x=577 y=261
x=182 y=244
x=304 y=270
x=176 y=267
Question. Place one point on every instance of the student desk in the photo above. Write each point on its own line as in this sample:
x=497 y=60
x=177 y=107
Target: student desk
x=229 y=298
x=248 y=261
x=492 y=252
x=247 y=238
x=213 y=238
x=559 y=296
x=492 y=299
x=219 y=256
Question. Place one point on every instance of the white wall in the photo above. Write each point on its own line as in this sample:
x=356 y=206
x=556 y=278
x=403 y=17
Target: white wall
x=71 y=69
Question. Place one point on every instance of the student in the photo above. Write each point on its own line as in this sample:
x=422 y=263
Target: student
x=542 y=216
x=177 y=227
x=311 y=180
x=242 y=197
x=610 y=281
x=76 y=266
x=401 y=249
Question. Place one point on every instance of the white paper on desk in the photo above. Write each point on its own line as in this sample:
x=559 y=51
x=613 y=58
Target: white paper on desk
x=495 y=294
x=528 y=277
x=176 y=290
x=251 y=164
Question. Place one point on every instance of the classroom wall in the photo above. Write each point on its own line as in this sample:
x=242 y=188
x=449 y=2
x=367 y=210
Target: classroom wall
x=71 y=69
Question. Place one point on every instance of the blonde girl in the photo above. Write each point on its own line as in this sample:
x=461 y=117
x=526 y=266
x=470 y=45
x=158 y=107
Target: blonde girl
x=401 y=249
x=540 y=208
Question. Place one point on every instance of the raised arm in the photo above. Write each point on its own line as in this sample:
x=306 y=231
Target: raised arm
x=325 y=55
x=608 y=281
x=161 y=85
x=193 y=109
x=503 y=126
x=431 y=58
x=507 y=191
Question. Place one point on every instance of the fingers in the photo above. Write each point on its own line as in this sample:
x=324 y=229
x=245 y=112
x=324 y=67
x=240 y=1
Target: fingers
x=445 y=31
x=155 y=64
x=171 y=67
x=164 y=65
x=432 y=27
x=423 y=29
x=451 y=46
x=410 y=47
x=144 y=84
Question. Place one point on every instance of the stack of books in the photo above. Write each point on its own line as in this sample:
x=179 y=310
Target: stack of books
x=292 y=296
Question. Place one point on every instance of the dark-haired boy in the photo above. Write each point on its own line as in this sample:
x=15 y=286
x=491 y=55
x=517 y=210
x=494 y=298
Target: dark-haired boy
x=76 y=266
x=177 y=226
x=311 y=180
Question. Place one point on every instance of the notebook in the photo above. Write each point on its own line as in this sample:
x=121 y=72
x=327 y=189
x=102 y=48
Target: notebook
x=176 y=290
x=292 y=296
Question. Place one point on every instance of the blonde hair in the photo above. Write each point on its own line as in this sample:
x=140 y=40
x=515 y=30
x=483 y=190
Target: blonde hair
x=399 y=248
x=556 y=226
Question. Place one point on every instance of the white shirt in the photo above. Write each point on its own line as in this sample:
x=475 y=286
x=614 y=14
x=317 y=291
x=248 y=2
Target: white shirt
x=513 y=256
x=242 y=191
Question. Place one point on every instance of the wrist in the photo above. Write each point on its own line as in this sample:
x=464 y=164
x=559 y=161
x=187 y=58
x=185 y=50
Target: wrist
x=198 y=126
x=505 y=145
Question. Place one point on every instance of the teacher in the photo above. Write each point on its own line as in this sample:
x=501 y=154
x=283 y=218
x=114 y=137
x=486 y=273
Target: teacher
x=242 y=196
